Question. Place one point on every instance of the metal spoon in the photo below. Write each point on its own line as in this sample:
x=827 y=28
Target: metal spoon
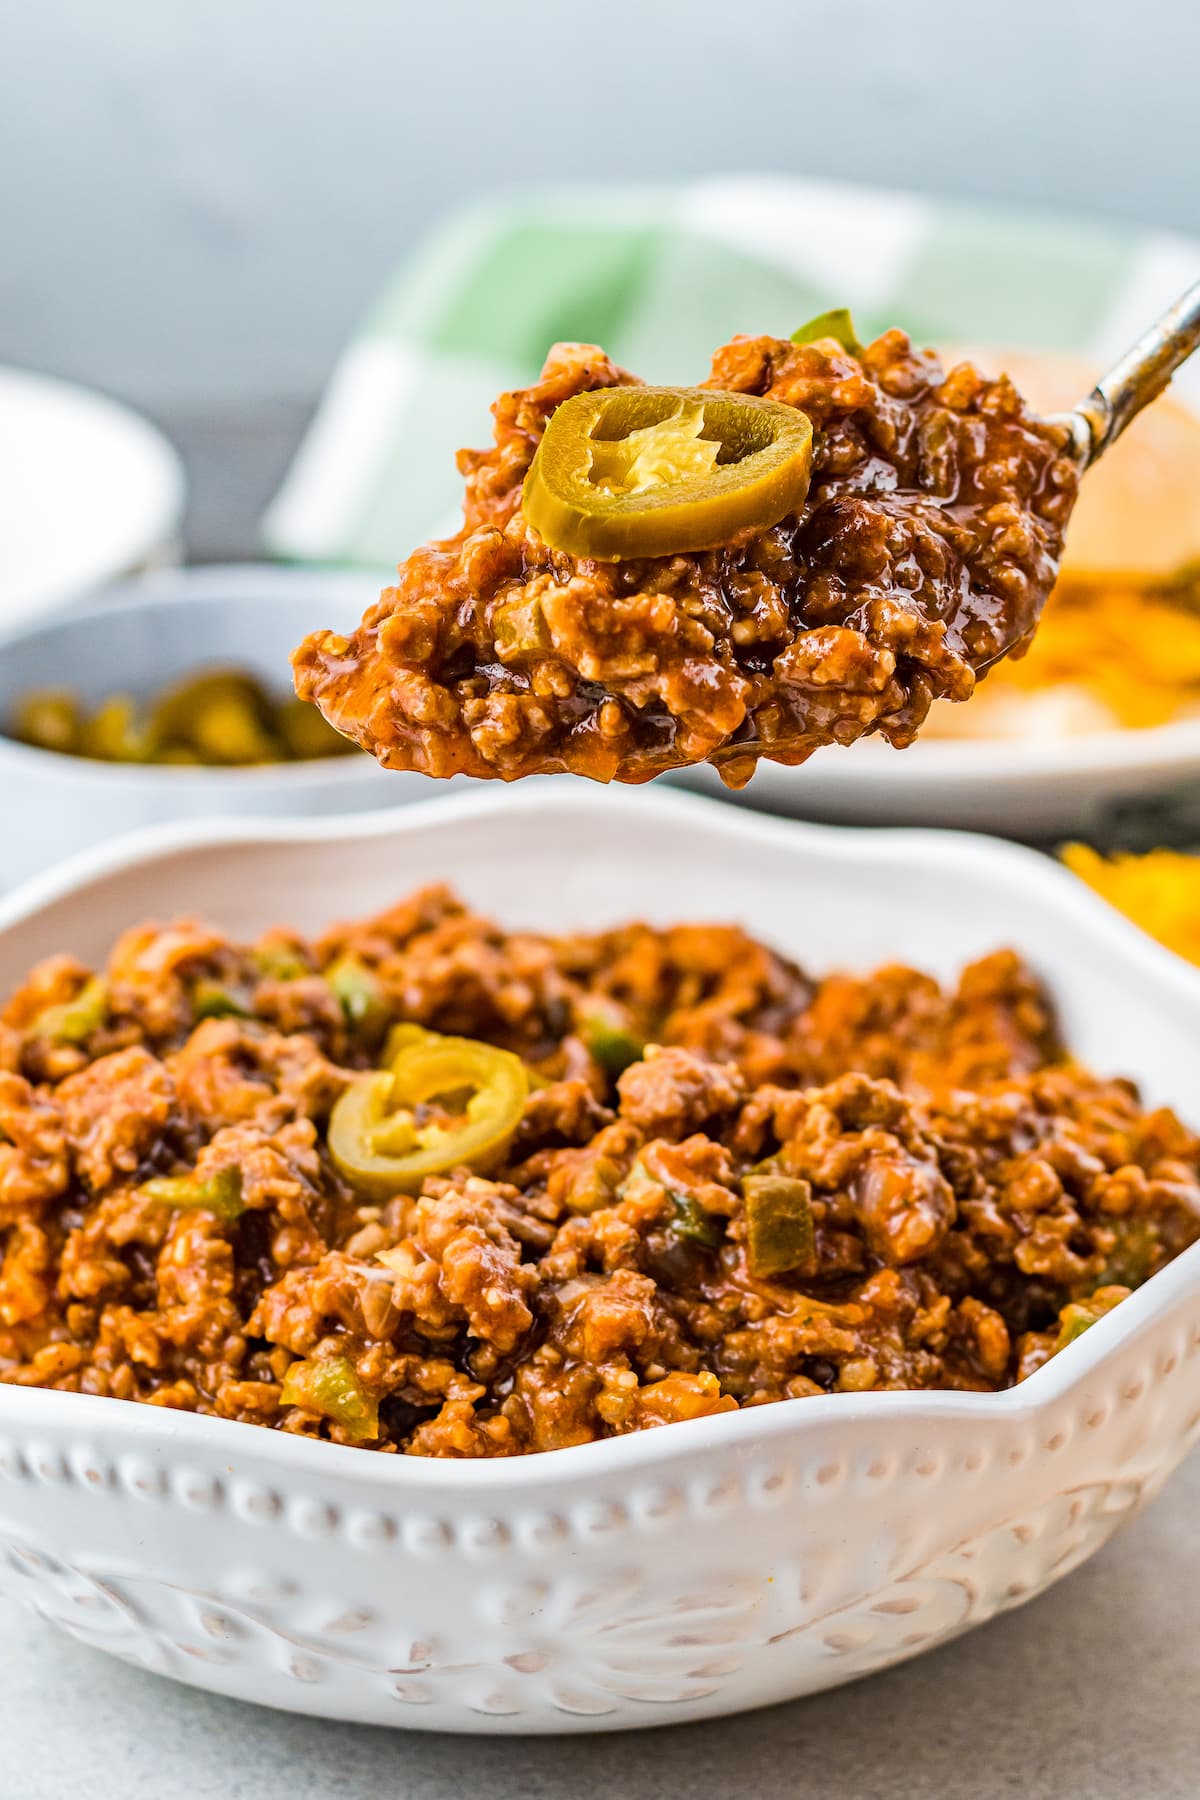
x=1134 y=379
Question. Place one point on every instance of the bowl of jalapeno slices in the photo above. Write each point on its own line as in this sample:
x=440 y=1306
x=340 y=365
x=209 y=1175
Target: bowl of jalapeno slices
x=166 y=699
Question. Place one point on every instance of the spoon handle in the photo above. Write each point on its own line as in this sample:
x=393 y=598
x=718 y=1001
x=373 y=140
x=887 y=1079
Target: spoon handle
x=1136 y=378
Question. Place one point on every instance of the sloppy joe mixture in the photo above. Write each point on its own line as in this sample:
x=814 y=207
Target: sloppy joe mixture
x=427 y=1186
x=818 y=543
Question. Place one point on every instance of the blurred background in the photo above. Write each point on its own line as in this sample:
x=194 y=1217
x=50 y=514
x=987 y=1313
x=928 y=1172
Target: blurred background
x=200 y=198
x=303 y=245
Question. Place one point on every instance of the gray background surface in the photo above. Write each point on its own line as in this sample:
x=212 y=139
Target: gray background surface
x=198 y=198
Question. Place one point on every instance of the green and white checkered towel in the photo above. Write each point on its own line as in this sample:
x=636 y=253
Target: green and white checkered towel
x=660 y=276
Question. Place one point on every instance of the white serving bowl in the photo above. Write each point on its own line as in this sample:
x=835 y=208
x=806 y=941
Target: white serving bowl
x=136 y=638
x=669 y=1575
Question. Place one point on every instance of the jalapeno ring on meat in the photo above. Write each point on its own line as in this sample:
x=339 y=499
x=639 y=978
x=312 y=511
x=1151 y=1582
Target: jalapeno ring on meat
x=628 y=472
x=378 y=1138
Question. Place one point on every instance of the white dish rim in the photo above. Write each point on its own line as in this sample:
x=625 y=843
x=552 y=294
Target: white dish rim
x=748 y=1427
x=965 y=762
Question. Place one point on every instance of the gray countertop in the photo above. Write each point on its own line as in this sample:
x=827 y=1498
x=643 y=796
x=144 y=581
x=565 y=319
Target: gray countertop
x=1088 y=1694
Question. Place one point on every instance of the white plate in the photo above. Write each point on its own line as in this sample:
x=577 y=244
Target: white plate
x=1034 y=788
x=88 y=491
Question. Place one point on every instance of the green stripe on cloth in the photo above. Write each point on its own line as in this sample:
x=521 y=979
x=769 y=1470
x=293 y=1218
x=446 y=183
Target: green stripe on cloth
x=416 y=491
x=1010 y=280
x=412 y=303
x=539 y=283
x=696 y=295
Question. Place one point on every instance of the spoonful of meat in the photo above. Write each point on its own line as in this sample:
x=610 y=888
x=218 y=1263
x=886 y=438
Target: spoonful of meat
x=815 y=544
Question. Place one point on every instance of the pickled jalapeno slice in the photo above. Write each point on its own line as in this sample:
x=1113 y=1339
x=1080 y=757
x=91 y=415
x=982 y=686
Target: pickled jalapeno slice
x=387 y=1134
x=630 y=472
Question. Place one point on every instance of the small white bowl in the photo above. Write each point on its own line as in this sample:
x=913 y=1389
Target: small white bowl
x=668 y=1575
x=136 y=638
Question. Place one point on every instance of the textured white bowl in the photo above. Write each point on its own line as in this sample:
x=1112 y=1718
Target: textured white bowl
x=670 y=1575
x=136 y=637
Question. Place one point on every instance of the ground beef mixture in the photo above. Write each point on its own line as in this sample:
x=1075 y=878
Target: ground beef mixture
x=975 y=1197
x=924 y=551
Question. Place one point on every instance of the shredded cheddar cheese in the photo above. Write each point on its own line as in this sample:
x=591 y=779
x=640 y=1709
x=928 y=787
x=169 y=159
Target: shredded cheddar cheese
x=1109 y=655
x=1159 y=891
